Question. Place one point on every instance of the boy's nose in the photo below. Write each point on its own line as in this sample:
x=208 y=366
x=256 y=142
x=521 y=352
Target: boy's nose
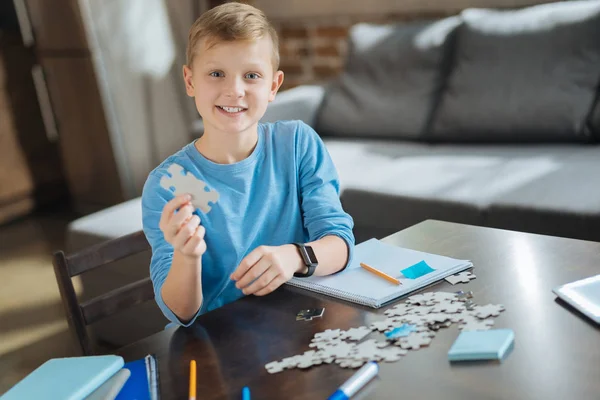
x=235 y=89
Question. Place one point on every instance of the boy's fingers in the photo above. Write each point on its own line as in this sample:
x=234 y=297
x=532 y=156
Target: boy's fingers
x=183 y=216
x=176 y=203
x=247 y=263
x=186 y=231
x=195 y=239
x=191 y=244
x=256 y=271
x=274 y=284
x=262 y=283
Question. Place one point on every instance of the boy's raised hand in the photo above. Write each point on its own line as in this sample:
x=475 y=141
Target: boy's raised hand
x=272 y=265
x=182 y=229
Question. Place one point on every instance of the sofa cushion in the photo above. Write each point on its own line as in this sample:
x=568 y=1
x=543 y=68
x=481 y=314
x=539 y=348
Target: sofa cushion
x=563 y=203
x=110 y=223
x=390 y=75
x=387 y=186
x=526 y=75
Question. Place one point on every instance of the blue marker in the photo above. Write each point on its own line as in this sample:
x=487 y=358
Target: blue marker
x=246 y=393
x=356 y=382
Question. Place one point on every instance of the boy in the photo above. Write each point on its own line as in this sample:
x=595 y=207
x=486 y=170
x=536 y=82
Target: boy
x=276 y=182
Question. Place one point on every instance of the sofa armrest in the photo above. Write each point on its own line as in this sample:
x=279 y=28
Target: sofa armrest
x=301 y=103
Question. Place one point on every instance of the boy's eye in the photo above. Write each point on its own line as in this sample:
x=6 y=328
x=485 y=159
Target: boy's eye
x=252 y=75
x=216 y=74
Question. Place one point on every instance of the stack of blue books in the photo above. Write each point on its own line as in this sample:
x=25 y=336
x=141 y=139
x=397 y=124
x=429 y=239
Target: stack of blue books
x=90 y=378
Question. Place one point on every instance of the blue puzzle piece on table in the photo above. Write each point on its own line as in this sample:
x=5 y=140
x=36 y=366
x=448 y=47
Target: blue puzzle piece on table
x=401 y=331
x=418 y=270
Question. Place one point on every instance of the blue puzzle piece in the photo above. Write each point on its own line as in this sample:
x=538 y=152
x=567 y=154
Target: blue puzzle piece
x=418 y=270
x=401 y=331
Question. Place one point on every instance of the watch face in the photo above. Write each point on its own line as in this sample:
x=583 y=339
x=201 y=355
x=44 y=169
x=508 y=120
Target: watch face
x=311 y=255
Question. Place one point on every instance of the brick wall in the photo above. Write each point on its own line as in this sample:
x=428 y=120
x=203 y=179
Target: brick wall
x=314 y=51
x=313 y=33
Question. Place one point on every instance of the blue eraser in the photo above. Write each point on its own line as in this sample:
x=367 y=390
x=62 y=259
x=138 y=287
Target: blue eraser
x=481 y=345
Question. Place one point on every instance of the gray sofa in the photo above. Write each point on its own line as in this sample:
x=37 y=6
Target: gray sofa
x=485 y=118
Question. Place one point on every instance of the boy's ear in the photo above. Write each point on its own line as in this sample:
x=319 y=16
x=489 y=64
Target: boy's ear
x=275 y=85
x=187 y=79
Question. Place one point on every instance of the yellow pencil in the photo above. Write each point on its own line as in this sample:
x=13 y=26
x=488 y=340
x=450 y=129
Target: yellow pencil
x=193 y=380
x=380 y=274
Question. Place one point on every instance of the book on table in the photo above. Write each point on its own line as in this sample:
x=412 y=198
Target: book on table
x=105 y=377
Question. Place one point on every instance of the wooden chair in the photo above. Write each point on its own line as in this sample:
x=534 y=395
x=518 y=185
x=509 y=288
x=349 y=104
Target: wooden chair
x=79 y=316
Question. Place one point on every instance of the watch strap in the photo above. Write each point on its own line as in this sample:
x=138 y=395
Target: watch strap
x=311 y=264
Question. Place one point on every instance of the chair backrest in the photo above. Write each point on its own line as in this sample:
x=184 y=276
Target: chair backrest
x=79 y=315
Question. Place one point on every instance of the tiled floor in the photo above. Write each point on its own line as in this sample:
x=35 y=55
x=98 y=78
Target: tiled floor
x=32 y=323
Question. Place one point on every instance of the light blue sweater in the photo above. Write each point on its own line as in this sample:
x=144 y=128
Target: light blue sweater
x=286 y=191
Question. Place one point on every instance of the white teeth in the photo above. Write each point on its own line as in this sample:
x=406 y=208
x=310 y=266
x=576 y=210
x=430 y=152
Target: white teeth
x=232 y=109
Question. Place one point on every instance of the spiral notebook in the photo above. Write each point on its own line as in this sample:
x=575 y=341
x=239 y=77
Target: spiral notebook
x=360 y=286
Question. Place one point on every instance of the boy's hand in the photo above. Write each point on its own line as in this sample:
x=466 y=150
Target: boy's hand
x=272 y=265
x=182 y=229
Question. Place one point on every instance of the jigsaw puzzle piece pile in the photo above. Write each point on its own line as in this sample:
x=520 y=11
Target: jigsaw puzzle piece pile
x=408 y=326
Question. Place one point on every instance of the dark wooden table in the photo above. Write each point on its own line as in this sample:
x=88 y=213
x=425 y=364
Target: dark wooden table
x=556 y=354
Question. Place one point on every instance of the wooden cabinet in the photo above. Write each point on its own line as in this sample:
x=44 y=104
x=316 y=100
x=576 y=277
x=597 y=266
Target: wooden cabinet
x=30 y=168
x=85 y=145
x=71 y=103
x=56 y=24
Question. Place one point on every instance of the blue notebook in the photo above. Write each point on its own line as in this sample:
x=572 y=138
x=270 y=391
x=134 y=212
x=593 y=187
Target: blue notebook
x=481 y=345
x=360 y=286
x=71 y=378
x=143 y=382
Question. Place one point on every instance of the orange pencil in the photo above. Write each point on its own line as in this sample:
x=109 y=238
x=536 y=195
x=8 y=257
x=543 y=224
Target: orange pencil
x=193 y=380
x=381 y=274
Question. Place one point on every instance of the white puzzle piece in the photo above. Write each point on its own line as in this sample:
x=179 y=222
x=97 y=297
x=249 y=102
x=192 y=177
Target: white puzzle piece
x=355 y=334
x=423 y=299
x=472 y=323
x=422 y=310
x=382 y=326
x=398 y=310
x=489 y=310
x=391 y=354
x=462 y=277
x=339 y=350
x=188 y=183
x=275 y=367
x=329 y=334
x=448 y=307
x=415 y=340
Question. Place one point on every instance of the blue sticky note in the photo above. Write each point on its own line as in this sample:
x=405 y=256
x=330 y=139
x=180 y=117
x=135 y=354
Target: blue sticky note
x=482 y=345
x=418 y=270
x=401 y=331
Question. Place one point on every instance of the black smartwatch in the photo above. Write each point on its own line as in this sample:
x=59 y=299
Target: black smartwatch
x=309 y=259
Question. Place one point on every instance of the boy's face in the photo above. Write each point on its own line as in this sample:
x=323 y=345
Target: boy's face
x=232 y=83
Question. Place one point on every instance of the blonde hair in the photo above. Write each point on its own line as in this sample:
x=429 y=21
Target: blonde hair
x=231 y=22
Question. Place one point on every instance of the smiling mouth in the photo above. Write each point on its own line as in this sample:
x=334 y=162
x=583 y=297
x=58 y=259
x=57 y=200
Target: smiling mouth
x=232 y=110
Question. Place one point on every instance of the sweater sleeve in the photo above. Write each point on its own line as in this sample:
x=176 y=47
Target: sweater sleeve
x=154 y=198
x=322 y=210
